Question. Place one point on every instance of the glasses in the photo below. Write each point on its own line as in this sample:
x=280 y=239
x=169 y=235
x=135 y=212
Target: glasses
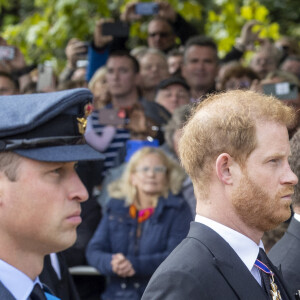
x=178 y=95
x=160 y=34
x=155 y=170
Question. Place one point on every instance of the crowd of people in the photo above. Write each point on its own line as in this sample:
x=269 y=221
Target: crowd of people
x=153 y=106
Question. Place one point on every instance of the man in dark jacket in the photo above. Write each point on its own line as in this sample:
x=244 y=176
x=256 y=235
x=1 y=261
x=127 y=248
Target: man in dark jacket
x=235 y=148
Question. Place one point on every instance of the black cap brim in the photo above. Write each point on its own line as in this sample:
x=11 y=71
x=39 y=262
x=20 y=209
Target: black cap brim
x=66 y=153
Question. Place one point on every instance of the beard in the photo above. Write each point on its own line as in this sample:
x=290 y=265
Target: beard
x=257 y=208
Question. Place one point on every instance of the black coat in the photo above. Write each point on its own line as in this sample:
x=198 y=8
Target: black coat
x=63 y=288
x=204 y=266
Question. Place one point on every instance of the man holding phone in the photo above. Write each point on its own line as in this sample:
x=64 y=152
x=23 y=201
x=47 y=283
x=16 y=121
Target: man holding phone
x=12 y=61
x=162 y=30
x=109 y=129
x=122 y=82
x=75 y=50
x=165 y=26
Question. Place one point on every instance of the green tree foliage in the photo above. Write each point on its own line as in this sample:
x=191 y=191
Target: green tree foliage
x=286 y=13
x=45 y=26
x=44 y=32
x=226 y=19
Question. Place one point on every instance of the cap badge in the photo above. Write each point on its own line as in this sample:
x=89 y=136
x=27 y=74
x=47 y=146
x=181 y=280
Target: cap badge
x=83 y=121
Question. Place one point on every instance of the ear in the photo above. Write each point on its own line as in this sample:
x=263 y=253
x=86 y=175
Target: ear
x=224 y=164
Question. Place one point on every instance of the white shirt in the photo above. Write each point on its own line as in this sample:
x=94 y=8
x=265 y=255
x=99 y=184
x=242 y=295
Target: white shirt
x=9 y=276
x=55 y=264
x=297 y=217
x=245 y=248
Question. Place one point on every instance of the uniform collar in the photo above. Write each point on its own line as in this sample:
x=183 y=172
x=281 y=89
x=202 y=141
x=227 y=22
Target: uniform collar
x=9 y=276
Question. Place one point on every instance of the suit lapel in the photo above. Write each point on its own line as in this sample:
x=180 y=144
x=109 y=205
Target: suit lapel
x=228 y=263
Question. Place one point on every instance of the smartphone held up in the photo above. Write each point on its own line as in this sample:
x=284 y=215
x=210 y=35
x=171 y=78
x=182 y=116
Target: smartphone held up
x=46 y=80
x=7 y=53
x=146 y=8
x=113 y=117
x=116 y=29
x=281 y=90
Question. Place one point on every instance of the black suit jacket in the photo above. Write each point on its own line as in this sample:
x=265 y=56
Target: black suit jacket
x=203 y=266
x=63 y=288
x=5 y=294
x=286 y=254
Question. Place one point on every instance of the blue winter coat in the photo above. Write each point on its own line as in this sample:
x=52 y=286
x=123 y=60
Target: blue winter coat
x=116 y=233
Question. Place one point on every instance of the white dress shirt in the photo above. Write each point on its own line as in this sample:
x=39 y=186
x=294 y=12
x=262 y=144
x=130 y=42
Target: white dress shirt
x=245 y=248
x=55 y=264
x=9 y=276
x=297 y=217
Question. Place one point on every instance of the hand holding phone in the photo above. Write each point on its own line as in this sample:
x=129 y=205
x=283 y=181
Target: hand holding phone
x=113 y=117
x=166 y=11
x=101 y=40
x=81 y=49
x=76 y=50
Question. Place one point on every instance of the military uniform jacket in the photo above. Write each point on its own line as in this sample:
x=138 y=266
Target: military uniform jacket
x=204 y=266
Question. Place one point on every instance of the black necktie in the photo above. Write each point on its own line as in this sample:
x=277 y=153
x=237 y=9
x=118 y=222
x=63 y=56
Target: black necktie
x=37 y=293
x=268 y=281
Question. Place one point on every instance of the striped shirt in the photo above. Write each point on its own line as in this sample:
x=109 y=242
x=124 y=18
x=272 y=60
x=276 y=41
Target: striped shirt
x=119 y=141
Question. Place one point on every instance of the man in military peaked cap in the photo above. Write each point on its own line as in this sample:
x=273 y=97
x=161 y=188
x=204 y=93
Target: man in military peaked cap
x=41 y=139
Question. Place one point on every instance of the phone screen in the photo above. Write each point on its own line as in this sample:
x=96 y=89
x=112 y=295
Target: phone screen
x=45 y=77
x=7 y=53
x=109 y=116
x=147 y=8
x=281 y=90
x=118 y=29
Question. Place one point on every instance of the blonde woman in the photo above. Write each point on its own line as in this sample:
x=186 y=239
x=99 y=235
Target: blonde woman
x=98 y=87
x=145 y=219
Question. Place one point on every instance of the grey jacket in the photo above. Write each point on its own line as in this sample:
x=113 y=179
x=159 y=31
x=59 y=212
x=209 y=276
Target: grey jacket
x=286 y=254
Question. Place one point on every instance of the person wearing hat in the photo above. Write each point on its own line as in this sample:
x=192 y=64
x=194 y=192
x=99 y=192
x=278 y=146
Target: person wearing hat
x=41 y=139
x=172 y=93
